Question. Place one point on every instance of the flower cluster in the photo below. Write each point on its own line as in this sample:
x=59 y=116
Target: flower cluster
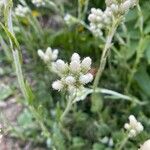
x=103 y=19
x=49 y=56
x=145 y=146
x=21 y=10
x=38 y=3
x=74 y=75
x=133 y=127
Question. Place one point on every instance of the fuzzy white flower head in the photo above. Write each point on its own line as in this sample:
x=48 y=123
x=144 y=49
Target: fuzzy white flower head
x=21 y=10
x=86 y=64
x=75 y=66
x=57 y=85
x=49 y=56
x=133 y=127
x=75 y=57
x=84 y=79
x=70 y=80
x=146 y=145
x=38 y=3
x=75 y=75
x=61 y=66
x=100 y=20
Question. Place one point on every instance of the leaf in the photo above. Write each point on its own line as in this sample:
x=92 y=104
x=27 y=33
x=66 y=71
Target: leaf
x=5 y=91
x=147 y=54
x=97 y=103
x=82 y=94
x=143 y=80
x=25 y=119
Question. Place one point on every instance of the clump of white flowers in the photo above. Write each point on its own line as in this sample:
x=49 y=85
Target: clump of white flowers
x=21 y=10
x=49 y=56
x=146 y=145
x=38 y=3
x=73 y=76
x=133 y=127
x=100 y=20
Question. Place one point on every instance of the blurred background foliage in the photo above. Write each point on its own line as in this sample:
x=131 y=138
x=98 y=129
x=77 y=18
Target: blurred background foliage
x=127 y=72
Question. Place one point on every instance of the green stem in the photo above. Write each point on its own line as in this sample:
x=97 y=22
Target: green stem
x=123 y=143
x=140 y=51
x=68 y=108
x=27 y=93
x=104 y=55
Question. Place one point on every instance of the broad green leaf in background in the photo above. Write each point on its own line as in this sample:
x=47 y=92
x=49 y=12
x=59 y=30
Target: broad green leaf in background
x=5 y=91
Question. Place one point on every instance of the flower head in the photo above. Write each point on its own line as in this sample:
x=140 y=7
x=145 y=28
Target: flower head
x=21 y=10
x=146 y=145
x=49 y=55
x=133 y=127
x=75 y=75
x=38 y=3
x=100 y=20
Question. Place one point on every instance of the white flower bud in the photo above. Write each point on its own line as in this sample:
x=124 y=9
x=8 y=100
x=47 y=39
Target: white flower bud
x=99 y=12
x=93 y=10
x=111 y=142
x=114 y=8
x=139 y=127
x=86 y=63
x=41 y=54
x=145 y=146
x=75 y=57
x=61 y=66
x=92 y=18
x=84 y=79
x=48 y=52
x=70 y=80
x=125 y=6
x=55 y=54
x=132 y=133
x=127 y=126
x=134 y=127
x=75 y=66
x=133 y=121
x=57 y=85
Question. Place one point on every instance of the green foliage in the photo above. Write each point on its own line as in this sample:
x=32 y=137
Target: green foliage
x=127 y=71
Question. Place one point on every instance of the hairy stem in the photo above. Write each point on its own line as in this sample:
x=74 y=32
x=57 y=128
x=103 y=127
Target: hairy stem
x=68 y=107
x=104 y=55
x=123 y=143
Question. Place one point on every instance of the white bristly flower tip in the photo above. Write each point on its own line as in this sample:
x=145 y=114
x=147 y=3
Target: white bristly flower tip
x=84 y=79
x=70 y=80
x=21 y=10
x=75 y=75
x=57 y=85
x=75 y=66
x=133 y=127
x=75 y=57
x=38 y=3
x=146 y=145
x=100 y=20
x=49 y=56
x=61 y=66
x=86 y=64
